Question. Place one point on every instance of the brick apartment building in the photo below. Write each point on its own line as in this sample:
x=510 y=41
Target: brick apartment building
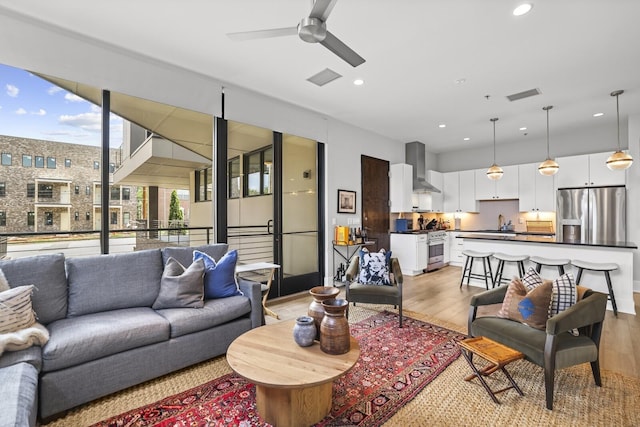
x=55 y=186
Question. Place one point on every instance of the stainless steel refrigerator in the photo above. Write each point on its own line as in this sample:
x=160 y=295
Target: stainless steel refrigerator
x=591 y=215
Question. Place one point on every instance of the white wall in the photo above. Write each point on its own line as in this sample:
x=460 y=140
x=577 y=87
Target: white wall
x=633 y=196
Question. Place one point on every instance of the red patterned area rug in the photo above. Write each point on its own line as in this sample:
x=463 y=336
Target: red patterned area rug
x=395 y=364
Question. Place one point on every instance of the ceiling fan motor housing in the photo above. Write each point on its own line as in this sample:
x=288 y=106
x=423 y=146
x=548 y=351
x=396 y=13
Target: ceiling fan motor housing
x=312 y=30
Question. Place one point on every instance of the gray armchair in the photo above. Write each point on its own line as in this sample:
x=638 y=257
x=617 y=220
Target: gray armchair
x=375 y=294
x=555 y=348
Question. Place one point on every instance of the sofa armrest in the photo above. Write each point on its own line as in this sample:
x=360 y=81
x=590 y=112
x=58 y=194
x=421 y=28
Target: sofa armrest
x=397 y=272
x=588 y=311
x=352 y=270
x=252 y=290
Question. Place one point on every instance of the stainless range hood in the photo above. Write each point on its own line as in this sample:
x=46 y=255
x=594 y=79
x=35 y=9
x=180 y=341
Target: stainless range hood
x=414 y=154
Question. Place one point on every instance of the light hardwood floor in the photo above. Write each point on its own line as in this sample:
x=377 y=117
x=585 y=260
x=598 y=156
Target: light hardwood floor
x=438 y=294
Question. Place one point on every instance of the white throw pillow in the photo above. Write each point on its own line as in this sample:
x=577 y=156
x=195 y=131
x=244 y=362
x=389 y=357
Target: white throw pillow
x=15 y=309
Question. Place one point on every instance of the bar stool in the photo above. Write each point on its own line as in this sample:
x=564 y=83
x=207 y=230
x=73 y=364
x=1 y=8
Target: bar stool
x=468 y=267
x=502 y=258
x=605 y=268
x=540 y=262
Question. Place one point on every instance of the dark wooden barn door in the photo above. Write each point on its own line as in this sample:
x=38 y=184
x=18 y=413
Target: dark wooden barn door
x=375 y=199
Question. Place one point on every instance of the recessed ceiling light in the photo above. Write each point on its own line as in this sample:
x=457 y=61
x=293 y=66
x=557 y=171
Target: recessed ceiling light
x=442 y=125
x=522 y=9
x=523 y=128
x=466 y=139
x=461 y=81
x=598 y=114
x=358 y=82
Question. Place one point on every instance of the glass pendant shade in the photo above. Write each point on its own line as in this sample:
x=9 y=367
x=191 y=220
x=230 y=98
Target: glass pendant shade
x=495 y=172
x=619 y=160
x=548 y=167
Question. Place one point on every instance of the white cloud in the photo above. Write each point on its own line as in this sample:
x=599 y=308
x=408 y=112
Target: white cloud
x=53 y=90
x=12 y=91
x=87 y=121
x=40 y=112
x=96 y=108
x=21 y=111
x=73 y=98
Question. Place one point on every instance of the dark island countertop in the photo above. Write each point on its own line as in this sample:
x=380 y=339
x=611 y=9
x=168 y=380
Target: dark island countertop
x=530 y=238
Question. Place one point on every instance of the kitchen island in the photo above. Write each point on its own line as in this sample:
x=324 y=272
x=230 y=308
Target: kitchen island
x=620 y=253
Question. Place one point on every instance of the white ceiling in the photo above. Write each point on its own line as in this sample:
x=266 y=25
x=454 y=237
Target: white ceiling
x=575 y=51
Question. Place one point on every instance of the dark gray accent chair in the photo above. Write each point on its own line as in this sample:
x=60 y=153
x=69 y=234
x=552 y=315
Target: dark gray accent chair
x=555 y=348
x=374 y=294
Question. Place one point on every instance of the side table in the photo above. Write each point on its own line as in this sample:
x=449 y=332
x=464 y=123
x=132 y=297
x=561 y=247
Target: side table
x=498 y=356
x=244 y=268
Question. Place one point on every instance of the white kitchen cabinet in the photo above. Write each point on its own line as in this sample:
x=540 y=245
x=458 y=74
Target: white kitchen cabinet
x=537 y=191
x=587 y=170
x=459 y=192
x=455 y=249
x=505 y=188
x=447 y=250
x=412 y=252
x=401 y=187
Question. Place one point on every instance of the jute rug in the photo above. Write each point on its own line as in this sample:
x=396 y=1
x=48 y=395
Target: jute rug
x=445 y=401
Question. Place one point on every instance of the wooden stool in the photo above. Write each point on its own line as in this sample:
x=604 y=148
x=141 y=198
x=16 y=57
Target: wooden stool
x=605 y=268
x=468 y=267
x=540 y=262
x=498 y=355
x=502 y=258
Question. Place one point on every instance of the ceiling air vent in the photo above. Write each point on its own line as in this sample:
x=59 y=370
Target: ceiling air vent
x=323 y=77
x=525 y=94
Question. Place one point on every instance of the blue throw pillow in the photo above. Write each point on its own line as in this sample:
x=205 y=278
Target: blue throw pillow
x=219 y=277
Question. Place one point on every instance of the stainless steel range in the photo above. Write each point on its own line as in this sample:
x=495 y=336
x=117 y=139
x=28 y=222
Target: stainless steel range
x=435 y=243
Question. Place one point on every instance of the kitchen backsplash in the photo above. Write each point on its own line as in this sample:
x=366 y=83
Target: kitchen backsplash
x=486 y=219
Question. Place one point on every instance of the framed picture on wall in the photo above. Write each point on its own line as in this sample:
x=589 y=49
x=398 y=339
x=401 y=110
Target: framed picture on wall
x=346 y=201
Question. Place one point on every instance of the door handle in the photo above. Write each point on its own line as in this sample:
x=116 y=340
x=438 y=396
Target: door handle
x=269 y=224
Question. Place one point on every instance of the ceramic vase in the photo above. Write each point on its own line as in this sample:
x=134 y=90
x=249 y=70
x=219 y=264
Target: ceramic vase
x=334 y=328
x=316 y=310
x=304 y=331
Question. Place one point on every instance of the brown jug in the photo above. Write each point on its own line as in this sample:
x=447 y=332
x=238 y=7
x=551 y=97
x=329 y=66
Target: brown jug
x=334 y=328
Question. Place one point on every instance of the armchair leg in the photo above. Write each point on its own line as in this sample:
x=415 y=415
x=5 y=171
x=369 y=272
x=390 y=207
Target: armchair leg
x=595 y=368
x=548 y=384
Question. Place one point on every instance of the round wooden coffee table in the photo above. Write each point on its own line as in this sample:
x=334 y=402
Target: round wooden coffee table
x=293 y=384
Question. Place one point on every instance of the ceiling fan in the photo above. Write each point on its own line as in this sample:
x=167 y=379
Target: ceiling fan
x=312 y=29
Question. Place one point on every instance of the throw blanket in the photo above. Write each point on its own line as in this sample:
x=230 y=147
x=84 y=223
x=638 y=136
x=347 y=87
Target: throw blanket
x=24 y=338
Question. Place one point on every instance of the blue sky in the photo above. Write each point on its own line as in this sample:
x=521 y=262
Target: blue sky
x=31 y=107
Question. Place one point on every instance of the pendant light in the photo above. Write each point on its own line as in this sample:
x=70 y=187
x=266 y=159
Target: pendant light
x=619 y=161
x=494 y=172
x=548 y=167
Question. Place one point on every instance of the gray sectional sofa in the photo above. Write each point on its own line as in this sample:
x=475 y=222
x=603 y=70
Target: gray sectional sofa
x=104 y=335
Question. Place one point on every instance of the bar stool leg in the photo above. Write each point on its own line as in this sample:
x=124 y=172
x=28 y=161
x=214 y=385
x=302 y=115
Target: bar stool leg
x=538 y=268
x=464 y=272
x=561 y=269
x=484 y=268
x=579 y=275
x=490 y=272
x=498 y=279
x=611 y=295
x=521 y=268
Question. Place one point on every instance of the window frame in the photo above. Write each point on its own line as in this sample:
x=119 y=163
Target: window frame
x=39 y=162
x=31 y=189
x=232 y=177
x=48 y=218
x=28 y=157
x=3 y=189
x=3 y=218
x=125 y=193
x=246 y=158
x=203 y=189
x=67 y=163
x=6 y=159
x=45 y=191
x=31 y=218
x=51 y=163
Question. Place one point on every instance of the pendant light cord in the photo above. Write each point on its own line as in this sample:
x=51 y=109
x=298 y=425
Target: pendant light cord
x=618 y=115
x=494 y=120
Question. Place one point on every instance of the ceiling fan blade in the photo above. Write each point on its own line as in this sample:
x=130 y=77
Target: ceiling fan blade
x=322 y=9
x=263 y=34
x=334 y=44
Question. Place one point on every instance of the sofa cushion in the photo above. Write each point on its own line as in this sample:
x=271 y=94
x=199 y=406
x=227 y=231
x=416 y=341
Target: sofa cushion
x=184 y=255
x=180 y=287
x=215 y=312
x=109 y=282
x=19 y=395
x=528 y=307
x=15 y=309
x=80 y=339
x=47 y=274
x=219 y=277
x=565 y=294
x=31 y=355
